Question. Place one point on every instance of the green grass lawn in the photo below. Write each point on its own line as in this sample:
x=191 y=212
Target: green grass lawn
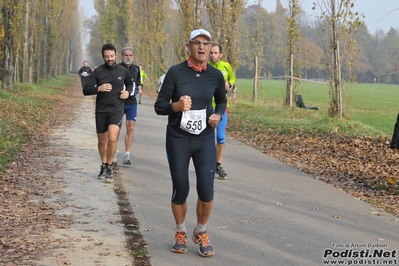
x=369 y=108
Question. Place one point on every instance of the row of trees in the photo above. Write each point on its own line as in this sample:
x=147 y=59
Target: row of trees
x=275 y=38
x=159 y=29
x=41 y=38
x=372 y=54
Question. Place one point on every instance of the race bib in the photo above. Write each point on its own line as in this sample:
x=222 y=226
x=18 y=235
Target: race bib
x=193 y=121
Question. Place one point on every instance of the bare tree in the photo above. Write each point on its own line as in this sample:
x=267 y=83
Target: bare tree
x=293 y=37
x=342 y=23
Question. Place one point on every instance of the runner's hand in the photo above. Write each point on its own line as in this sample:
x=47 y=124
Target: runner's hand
x=106 y=87
x=183 y=104
x=214 y=120
x=124 y=95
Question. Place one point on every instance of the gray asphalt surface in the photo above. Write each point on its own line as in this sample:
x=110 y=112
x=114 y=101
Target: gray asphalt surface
x=265 y=213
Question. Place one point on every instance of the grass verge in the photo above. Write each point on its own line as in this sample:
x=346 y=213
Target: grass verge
x=22 y=112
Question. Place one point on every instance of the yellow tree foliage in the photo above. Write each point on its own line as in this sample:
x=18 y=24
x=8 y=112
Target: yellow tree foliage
x=37 y=38
x=107 y=13
x=224 y=17
x=1 y=41
x=12 y=15
x=151 y=29
x=188 y=23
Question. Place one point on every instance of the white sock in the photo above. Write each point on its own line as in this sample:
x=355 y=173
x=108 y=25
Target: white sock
x=181 y=227
x=200 y=228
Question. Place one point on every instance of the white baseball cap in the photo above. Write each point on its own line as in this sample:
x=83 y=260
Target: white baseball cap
x=202 y=32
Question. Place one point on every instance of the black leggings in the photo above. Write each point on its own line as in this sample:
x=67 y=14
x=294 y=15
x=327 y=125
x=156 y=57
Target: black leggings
x=202 y=150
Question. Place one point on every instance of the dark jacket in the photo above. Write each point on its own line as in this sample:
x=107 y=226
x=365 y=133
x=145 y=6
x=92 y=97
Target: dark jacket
x=118 y=77
x=134 y=72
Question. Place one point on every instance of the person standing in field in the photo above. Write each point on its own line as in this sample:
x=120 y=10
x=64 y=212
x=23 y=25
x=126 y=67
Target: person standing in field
x=143 y=76
x=130 y=108
x=113 y=85
x=186 y=97
x=230 y=79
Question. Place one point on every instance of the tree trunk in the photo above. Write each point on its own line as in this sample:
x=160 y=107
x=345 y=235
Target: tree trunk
x=255 y=88
x=333 y=111
x=339 y=87
x=8 y=48
x=45 y=41
x=293 y=35
x=26 y=45
x=292 y=80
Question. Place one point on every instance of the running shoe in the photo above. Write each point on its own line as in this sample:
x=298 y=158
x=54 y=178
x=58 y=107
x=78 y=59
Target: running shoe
x=126 y=159
x=109 y=175
x=102 y=172
x=115 y=160
x=205 y=248
x=220 y=171
x=115 y=166
x=179 y=246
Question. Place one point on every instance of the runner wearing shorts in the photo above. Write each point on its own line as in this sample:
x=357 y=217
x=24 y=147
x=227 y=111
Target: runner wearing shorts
x=130 y=108
x=112 y=84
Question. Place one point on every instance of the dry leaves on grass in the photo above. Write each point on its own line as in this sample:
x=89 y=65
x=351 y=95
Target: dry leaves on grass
x=27 y=220
x=361 y=166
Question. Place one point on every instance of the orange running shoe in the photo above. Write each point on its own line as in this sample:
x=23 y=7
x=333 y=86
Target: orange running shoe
x=205 y=248
x=179 y=246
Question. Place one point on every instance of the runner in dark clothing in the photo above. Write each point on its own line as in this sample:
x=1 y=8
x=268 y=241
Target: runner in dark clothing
x=186 y=97
x=112 y=84
x=131 y=102
x=84 y=71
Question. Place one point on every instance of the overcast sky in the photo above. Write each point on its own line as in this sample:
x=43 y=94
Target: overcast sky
x=374 y=10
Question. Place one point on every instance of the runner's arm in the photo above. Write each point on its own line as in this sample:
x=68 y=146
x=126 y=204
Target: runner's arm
x=220 y=96
x=231 y=78
x=163 y=105
x=128 y=82
x=89 y=85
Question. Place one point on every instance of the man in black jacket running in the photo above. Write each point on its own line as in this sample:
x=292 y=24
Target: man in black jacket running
x=112 y=84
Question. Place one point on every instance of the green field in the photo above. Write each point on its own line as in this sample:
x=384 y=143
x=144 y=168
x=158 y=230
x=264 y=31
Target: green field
x=369 y=109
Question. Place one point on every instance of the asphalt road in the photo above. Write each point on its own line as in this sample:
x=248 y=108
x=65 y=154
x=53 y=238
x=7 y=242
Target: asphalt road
x=265 y=213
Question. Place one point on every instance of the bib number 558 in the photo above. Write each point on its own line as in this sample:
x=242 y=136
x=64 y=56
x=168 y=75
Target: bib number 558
x=194 y=125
